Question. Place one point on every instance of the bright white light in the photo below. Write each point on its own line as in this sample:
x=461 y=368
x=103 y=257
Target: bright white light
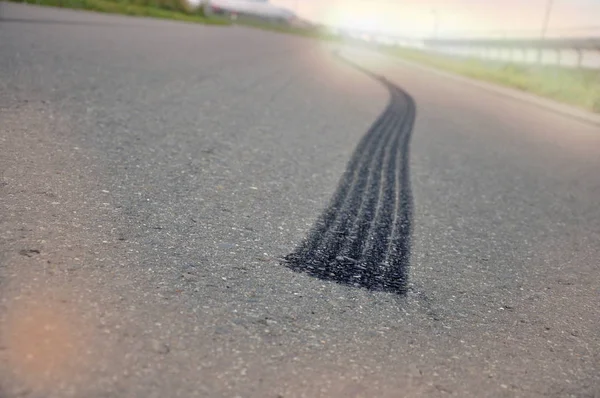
x=358 y=23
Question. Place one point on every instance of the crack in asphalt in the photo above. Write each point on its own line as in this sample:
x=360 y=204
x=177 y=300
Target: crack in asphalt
x=362 y=238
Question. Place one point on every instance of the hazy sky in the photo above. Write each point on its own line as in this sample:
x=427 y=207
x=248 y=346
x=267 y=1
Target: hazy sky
x=416 y=18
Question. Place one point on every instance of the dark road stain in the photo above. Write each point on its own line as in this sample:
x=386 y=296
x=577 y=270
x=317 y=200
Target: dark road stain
x=362 y=238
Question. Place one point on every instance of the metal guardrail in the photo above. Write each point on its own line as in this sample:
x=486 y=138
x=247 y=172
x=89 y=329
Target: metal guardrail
x=573 y=52
x=591 y=43
x=565 y=51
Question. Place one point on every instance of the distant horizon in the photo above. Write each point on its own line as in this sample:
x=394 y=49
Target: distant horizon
x=470 y=18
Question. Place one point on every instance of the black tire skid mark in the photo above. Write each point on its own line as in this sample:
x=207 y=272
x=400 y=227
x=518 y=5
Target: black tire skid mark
x=362 y=238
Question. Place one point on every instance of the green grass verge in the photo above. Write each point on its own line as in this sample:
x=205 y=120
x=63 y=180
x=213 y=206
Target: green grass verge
x=578 y=87
x=164 y=9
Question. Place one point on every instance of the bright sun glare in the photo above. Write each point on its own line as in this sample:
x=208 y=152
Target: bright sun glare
x=359 y=23
x=354 y=16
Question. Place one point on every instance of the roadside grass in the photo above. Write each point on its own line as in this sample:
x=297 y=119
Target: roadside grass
x=163 y=9
x=578 y=87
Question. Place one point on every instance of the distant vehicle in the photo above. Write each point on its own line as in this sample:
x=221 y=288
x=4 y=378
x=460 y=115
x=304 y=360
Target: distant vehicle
x=258 y=10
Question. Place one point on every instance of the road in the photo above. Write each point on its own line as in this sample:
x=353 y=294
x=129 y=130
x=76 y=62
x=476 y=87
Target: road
x=154 y=174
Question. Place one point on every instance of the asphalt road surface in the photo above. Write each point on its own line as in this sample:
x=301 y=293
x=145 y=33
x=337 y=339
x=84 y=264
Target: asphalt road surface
x=153 y=175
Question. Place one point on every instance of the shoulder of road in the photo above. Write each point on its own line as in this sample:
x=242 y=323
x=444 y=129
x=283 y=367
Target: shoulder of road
x=517 y=95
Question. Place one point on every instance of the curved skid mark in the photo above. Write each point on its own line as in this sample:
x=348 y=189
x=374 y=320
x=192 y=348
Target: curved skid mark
x=348 y=179
x=363 y=237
